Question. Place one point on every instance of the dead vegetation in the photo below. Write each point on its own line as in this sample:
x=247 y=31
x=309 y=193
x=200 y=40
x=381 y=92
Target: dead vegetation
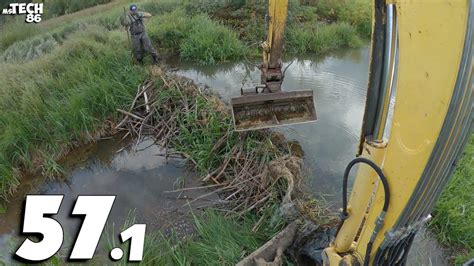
x=248 y=170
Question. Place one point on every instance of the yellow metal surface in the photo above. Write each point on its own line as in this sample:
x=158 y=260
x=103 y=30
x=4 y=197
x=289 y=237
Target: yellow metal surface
x=273 y=45
x=362 y=193
x=331 y=257
x=431 y=39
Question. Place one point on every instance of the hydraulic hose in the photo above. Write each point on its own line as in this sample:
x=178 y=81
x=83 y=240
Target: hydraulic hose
x=345 y=213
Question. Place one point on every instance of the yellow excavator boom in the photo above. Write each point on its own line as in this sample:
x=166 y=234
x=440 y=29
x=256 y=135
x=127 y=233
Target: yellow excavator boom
x=422 y=61
x=267 y=105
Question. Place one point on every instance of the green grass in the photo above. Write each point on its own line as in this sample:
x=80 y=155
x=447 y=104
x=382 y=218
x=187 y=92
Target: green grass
x=197 y=38
x=54 y=8
x=29 y=49
x=22 y=42
x=209 y=42
x=337 y=24
x=169 y=30
x=217 y=241
x=15 y=30
x=321 y=39
x=453 y=217
x=61 y=98
x=357 y=13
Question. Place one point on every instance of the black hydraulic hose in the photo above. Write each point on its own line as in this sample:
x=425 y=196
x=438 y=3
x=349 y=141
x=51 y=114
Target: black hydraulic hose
x=379 y=173
x=386 y=203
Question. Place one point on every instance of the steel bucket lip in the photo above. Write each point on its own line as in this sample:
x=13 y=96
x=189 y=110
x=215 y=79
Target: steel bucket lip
x=271 y=96
x=272 y=126
x=268 y=97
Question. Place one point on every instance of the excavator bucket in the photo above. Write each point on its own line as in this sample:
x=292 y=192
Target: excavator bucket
x=265 y=110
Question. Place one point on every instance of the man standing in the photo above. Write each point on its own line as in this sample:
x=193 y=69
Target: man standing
x=134 y=22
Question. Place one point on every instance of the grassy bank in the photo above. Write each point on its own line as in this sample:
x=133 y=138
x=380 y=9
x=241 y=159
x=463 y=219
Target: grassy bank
x=207 y=32
x=197 y=38
x=453 y=217
x=48 y=104
x=217 y=31
x=57 y=8
x=217 y=241
x=14 y=29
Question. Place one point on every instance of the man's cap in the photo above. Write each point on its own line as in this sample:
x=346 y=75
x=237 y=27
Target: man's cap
x=133 y=7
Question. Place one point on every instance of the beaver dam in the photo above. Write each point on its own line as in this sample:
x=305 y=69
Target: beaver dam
x=251 y=170
x=252 y=177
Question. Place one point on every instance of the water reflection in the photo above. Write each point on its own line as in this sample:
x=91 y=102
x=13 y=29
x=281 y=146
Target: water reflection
x=339 y=83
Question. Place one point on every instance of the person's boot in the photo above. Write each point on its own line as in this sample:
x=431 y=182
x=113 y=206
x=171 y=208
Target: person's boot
x=155 y=59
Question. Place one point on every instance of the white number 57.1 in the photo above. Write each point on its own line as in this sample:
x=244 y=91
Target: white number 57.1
x=95 y=209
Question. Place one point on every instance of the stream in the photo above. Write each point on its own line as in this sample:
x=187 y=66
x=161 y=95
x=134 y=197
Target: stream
x=142 y=179
x=339 y=82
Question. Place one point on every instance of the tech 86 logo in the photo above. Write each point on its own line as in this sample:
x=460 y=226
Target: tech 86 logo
x=33 y=11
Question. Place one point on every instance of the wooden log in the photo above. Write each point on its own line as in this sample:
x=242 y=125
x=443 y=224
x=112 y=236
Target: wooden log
x=271 y=252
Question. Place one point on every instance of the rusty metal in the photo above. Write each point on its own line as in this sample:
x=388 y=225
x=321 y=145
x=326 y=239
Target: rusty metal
x=265 y=110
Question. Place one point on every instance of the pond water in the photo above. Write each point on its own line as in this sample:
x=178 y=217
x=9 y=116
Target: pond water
x=339 y=82
x=140 y=178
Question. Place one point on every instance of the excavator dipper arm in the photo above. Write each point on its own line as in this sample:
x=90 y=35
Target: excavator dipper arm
x=267 y=105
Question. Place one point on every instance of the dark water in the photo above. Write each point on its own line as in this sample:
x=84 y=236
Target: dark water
x=139 y=178
x=339 y=82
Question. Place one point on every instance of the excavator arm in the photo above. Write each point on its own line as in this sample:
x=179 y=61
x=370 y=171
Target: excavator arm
x=272 y=75
x=417 y=120
x=267 y=105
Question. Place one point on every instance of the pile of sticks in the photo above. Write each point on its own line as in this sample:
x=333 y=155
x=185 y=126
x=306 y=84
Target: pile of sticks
x=247 y=177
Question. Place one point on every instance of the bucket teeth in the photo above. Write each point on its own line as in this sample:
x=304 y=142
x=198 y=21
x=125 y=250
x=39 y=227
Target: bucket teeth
x=266 y=110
